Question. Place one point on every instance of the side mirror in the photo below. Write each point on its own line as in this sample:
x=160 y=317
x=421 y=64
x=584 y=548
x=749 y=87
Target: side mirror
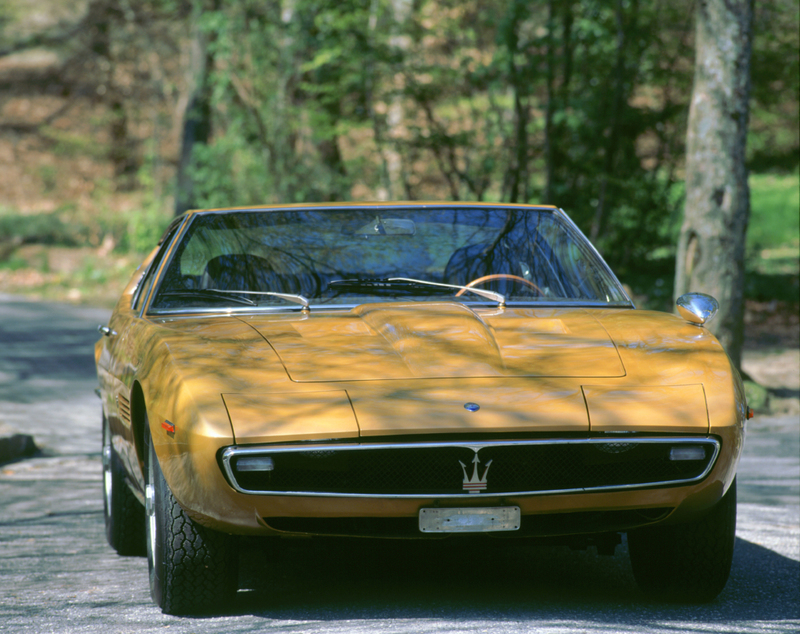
x=697 y=308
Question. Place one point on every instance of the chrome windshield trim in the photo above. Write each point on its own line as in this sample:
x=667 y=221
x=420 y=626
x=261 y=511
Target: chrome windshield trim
x=236 y=451
x=571 y=223
x=316 y=308
x=182 y=223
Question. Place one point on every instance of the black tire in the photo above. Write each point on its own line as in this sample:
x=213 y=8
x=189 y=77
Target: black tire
x=193 y=569
x=687 y=562
x=124 y=514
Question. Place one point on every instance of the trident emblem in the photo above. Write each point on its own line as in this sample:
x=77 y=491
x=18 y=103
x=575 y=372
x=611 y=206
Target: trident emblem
x=473 y=484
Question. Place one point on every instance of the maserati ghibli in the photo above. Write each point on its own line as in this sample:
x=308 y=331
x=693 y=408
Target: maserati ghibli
x=409 y=370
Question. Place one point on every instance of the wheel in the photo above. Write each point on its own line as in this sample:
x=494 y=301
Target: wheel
x=192 y=568
x=124 y=515
x=500 y=276
x=686 y=562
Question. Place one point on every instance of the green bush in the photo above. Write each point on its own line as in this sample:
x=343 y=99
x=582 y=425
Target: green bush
x=775 y=211
x=46 y=228
x=144 y=228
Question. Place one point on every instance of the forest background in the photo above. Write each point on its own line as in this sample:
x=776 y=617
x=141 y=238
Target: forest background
x=582 y=104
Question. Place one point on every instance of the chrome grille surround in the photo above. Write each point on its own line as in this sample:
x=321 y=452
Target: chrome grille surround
x=610 y=449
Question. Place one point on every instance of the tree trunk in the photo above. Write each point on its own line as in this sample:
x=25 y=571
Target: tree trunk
x=101 y=16
x=711 y=247
x=516 y=178
x=401 y=41
x=550 y=56
x=196 y=117
x=558 y=98
x=615 y=115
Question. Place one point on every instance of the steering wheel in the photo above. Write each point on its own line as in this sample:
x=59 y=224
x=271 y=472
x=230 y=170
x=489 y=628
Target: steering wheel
x=500 y=276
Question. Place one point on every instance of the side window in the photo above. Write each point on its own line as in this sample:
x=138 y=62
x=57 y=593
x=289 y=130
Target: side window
x=150 y=275
x=145 y=285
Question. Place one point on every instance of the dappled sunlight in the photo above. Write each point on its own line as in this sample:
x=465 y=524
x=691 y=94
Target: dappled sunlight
x=439 y=340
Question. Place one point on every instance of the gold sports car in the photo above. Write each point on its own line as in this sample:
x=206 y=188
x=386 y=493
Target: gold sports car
x=409 y=370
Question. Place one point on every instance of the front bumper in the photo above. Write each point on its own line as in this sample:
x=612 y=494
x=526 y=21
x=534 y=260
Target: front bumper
x=222 y=507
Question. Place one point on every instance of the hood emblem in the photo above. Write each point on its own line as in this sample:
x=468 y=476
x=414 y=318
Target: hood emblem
x=475 y=484
x=472 y=407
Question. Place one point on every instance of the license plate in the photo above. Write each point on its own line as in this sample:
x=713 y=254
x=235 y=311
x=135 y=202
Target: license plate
x=469 y=520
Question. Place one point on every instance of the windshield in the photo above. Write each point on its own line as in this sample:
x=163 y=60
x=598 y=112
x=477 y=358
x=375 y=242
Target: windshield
x=304 y=257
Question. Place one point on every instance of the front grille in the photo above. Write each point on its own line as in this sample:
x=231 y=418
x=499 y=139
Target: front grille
x=455 y=470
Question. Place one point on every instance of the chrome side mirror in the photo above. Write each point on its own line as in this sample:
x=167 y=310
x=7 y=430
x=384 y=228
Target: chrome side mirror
x=697 y=308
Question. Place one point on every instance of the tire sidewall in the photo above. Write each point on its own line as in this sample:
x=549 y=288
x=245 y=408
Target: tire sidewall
x=123 y=513
x=192 y=569
x=154 y=524
x=688 y=562
x=108 y=483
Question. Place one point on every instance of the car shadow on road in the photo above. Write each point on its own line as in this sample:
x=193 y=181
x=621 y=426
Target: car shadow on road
x=493 y=580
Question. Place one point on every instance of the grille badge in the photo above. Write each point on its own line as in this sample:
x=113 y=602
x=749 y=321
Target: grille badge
x=475 y=484
x=472 y=407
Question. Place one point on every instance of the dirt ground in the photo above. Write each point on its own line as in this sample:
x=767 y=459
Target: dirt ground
x=778 y=370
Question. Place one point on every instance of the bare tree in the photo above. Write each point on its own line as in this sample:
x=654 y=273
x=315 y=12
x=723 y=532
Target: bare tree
x=712 y=242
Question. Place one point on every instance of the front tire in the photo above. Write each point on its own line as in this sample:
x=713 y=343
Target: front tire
x=192 y=568
x=686 y=562
x=123 y=513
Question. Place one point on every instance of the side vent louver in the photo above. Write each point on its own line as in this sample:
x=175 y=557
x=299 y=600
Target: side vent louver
x=124 y=409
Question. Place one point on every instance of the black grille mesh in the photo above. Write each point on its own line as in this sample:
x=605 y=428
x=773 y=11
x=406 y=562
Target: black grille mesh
x=424 y=470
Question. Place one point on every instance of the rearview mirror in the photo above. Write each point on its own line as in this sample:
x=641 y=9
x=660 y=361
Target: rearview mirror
x=388 y=227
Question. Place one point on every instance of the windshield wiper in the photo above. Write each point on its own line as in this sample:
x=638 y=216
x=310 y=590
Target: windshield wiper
x=290 y=297
x=211 y=293
x=407 y=284
x=235 y=296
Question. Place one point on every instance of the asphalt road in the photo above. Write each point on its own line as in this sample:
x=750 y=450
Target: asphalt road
x=58 y=575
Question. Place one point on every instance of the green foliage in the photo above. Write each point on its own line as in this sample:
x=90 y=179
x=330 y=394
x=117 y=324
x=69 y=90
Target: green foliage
x=773 y=239
x=90 y=273
x=49 y=176
x=65 y=143
x=579 y=104
x=230 y=173
x=285 y=87
x=45 y=228
x=773 y=247
x=757 y=396
x=13 y=263
x=144 y=226
x=774 y=217
x=774 y=134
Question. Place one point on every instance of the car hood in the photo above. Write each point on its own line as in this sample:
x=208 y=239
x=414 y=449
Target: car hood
x=403 y=369
x=439 y=341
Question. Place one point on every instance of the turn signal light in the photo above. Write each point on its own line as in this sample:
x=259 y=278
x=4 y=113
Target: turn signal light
x=690 y=452
x=255 y=463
